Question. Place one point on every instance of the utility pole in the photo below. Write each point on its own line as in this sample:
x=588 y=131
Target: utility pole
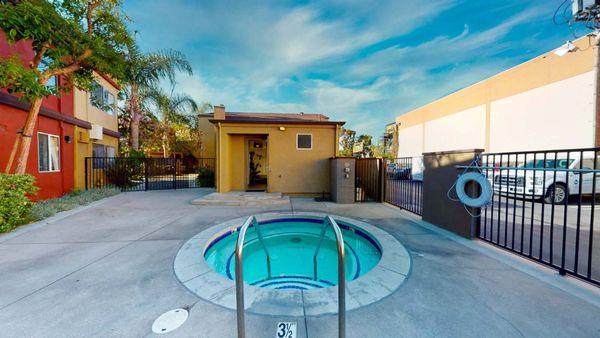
x=596 y=37
x=587 y=12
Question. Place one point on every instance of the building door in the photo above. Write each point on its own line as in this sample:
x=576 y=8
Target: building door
x=257 y=164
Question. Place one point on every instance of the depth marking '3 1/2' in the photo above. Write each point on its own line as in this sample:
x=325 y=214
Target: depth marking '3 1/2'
x=286 y=330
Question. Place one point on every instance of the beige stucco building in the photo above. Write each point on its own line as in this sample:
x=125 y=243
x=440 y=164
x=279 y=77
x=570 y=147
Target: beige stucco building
x=98 y=107
x=287 y=153
x=546 y=103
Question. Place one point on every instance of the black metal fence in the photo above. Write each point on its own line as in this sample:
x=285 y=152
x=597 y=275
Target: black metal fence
x=368 y=179
x=403 y=183
x=544 y=208
x=140 y=174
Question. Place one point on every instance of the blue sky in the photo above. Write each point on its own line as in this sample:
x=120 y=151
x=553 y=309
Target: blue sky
x=363 y=62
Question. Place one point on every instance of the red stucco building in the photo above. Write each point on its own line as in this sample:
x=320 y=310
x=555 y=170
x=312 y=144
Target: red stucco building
x=55 y=126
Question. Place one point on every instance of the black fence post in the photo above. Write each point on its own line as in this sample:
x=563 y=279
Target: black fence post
x=381 y=181
x=552 y=195
x=85 y=165
x=145 y=161
x=174 y=161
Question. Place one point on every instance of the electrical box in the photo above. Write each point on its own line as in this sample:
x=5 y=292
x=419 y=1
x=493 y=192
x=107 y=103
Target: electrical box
x=342 y=177
x=582 y=5
x=96 y=132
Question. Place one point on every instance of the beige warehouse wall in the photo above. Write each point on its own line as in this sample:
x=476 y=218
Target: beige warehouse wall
x=556 y=116
x=513 y=110
x=410 y=141
x=462 y=130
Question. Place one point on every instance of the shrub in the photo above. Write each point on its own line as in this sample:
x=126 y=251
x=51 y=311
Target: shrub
x=14 y=204
x=206 y=178
x=136 y=153
x=46 y=208
x=126 y=172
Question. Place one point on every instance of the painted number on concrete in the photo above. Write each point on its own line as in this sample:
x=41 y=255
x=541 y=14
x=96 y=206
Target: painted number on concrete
x=286 y=330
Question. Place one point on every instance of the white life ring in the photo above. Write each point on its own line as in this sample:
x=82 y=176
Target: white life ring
x=484 y=186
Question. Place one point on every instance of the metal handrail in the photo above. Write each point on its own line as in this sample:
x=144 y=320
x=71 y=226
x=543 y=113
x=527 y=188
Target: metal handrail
x=341 y=270
x=239 y=271
x=262 y=241
x=239 y=278
x=321 y=238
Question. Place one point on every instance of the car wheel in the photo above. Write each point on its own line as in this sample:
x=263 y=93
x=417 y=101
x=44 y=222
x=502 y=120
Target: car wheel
x=557 y=193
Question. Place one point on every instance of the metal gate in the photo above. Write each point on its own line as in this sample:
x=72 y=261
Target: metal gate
x=368 y=179
x=404 y=183
x=141 y=174
x=544 y=208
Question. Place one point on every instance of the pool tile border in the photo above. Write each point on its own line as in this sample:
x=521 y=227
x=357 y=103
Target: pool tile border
x=385 y=278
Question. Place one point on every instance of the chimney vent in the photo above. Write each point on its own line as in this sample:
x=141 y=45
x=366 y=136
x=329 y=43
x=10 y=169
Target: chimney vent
x=219 y=112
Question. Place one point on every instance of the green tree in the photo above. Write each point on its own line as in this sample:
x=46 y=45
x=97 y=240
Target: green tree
x=380 y=150
x=70 y=39
x=187 y=138
x=347 y=139
x=173 y=111
x=143 y=71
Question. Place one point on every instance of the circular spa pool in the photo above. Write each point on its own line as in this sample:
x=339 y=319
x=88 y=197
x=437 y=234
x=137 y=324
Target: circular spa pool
x=291 y=243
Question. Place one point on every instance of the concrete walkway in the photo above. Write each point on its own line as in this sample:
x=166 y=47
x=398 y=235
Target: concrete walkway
x=108 y=271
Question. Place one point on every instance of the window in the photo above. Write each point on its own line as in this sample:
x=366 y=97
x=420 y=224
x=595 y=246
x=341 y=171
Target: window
x=588 y=163
x=304 y=141
x=560 y=163
x=110 y=151
x=109 y=98
x=100 y=150
x=48 y=153
x=101 y=98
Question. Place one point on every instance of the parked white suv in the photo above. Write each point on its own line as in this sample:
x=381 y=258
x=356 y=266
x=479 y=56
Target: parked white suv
x=549 y=184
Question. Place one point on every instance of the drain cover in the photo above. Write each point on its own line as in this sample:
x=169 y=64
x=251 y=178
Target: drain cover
x=169 y=321
x=296 y=240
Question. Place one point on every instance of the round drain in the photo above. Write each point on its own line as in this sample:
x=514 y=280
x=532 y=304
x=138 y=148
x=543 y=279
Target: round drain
x=296 y=240
x=169 y=321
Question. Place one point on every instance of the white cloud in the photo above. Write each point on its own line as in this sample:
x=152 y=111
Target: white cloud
x=441 y=50
x=263 y=41
x=263 y=55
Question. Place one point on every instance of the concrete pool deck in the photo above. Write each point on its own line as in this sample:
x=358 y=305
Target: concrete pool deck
x=107 y=270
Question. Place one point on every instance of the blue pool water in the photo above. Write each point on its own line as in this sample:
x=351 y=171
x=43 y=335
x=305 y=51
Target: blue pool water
x=292 y=244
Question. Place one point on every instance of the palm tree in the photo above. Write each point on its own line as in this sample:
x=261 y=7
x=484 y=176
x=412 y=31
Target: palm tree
x=172 y=109
x=144 y=71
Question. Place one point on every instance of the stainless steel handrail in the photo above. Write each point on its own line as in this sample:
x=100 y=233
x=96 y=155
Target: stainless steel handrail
x=341 y=270
x=262 y=241
x=239 y=271
x=239 y=278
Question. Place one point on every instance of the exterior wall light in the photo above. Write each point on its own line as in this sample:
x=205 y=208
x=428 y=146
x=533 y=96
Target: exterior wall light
x=282 y=128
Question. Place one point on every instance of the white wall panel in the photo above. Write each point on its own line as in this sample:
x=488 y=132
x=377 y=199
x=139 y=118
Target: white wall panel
x=462 y=130
x=410 y=141
x=556 y=116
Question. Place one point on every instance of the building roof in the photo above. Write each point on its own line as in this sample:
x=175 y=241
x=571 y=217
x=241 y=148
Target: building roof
x=283 y=118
